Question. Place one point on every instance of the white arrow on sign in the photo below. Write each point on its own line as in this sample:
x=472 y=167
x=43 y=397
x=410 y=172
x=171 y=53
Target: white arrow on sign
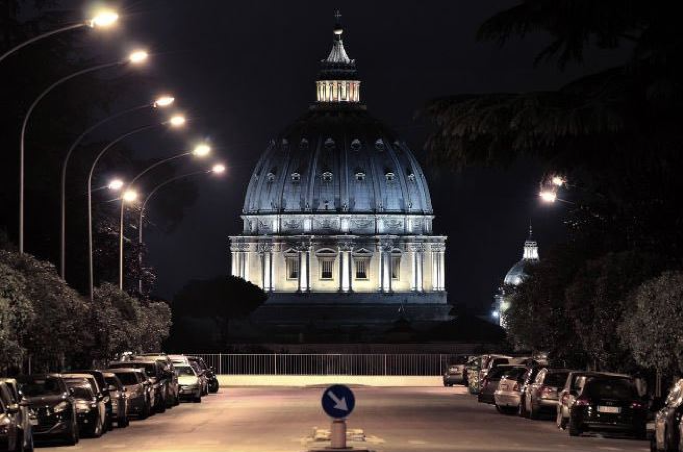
x=339 y=404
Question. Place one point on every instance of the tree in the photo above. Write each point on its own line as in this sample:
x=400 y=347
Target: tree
x=219 y=299
x=652 y=331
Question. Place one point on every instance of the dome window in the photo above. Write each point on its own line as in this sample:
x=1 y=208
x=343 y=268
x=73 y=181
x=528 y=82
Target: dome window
x=411 y=177
x=355 y=145
x=270 y=177
x=379 y=145
x=329 y=143
x=304 y=144
x=296 y=177
x=360 y=176
x=390 y=177
x=327 y=177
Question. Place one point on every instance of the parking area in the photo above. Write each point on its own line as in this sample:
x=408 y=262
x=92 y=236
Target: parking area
x=385 y=419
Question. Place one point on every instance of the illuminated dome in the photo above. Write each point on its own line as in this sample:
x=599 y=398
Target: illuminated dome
x=516 y=275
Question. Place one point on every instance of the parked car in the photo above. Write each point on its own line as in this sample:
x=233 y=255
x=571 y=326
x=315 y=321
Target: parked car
x=489 y=383
x=190 y=383
x=172 y=396
x=542 y=395
x=119 y=399
x=667 y=435
x=607 y=403
x=18 y=410
x=508 y=395
x=90 y=411
x=10 y=428
x=102 y=391
x=137 y=388
x=455 y=372
x=158 y=380
x=567 y=395
x=529 y=377
x=202 y=370
x=488 y=362
x=50 y=401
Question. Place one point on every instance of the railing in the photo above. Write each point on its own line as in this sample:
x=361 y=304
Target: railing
x=329 y=364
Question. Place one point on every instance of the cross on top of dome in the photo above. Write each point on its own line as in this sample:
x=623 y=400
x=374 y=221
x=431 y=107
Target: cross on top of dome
x=338 y=79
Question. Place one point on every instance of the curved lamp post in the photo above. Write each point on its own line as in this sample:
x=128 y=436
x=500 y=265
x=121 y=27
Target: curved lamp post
x=215 y=169
x=201 y=150
x=102 y=19
x=136 y=57
x=173 y=122
x=161 y=102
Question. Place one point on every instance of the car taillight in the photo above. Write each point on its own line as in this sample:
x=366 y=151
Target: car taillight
x=636 y=405
x=565 y=398
x=582 y=402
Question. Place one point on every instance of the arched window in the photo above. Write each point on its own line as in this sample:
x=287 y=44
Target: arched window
x=327 y=176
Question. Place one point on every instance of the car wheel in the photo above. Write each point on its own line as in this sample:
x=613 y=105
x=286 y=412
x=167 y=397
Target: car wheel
x=144 y=414
x=99 y=429
x=574 y=429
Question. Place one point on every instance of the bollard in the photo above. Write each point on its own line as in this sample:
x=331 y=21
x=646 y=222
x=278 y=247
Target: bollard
x=338 y=434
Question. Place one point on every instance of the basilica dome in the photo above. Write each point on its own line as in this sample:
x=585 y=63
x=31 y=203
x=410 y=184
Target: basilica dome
x=516 y=275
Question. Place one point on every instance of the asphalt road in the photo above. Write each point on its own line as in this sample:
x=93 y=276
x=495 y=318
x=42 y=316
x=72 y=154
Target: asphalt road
x=274 y=419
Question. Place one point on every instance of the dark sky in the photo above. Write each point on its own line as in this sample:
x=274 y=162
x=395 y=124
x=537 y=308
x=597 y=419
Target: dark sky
x=244 y=70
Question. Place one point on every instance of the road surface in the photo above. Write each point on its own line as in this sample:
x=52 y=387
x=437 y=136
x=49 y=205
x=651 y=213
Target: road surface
x=275 y=419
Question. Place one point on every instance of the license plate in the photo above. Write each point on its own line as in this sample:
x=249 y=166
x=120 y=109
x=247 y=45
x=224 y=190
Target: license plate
x=34 y=421
x=609 y=409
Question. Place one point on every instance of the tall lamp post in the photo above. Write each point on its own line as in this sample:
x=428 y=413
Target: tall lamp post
x=161 y=102
x=215 y=169
x=201 y=150
x=102 y=19
x=134 y=58
x=175 y=121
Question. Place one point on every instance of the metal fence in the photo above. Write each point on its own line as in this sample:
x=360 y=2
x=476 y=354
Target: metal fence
x=329 y=364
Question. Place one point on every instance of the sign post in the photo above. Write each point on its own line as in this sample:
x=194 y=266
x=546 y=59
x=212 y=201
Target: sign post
x=338 y=402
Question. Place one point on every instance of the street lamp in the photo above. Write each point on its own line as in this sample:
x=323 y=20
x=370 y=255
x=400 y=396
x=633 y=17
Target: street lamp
x=129 y=196
x=91 y=278
x=22 y=143
x=215 y=169
x=115 y=185
x=178 y=121
x=201 y=150
x=548 y=196
x=102 y=19
x=161 y=102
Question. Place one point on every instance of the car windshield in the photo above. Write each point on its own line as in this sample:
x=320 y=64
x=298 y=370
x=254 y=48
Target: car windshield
x=499 y=361
x=81 y=390
x=498 y=372
x=41 y=387
x=557 y=379
x=185 y=371
x=112 y=381
x=127 y=378
x=515 y=374
x=149 y=368
x=618 y=389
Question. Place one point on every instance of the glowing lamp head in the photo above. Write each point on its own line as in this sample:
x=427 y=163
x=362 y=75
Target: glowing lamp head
x=218 y=168
x=138 y=57
x=177 y=121
x=202 y=150
x=164 y=101
x=548 y=196
x=104 y=19
x=558 y=181
x=130 y=196
x=115 y=184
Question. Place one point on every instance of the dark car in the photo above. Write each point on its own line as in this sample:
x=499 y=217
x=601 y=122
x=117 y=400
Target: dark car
x=542 y=395
x=53 y=407
x=10 y=428
x=172 y=395
x=154 y=370
x=18 y=411
x=89 y=408
x=119 y=399
x=137 y=388
x=101 y=391
x=489 y=383
x=104 y=402
x=667 y=433
x=608 y=404
x=568 y=393
x=529 y=377
x=455 y=372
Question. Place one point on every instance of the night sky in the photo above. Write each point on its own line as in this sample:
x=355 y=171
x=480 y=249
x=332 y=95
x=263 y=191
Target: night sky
x=244 y=70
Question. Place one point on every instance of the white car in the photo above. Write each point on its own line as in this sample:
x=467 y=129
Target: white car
x=507 y=396
x=190 y=383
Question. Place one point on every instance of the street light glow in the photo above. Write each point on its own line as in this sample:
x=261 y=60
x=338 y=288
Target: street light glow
x=202 y=150
x=164 y=101
x=177 y=121
x=218 y=168
x=138 y=57
x=548 y=196
x=130 y=195
x=104 y=19
x=115 y=185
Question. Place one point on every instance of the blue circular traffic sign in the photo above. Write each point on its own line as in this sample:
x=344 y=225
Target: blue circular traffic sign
x=338 y=401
